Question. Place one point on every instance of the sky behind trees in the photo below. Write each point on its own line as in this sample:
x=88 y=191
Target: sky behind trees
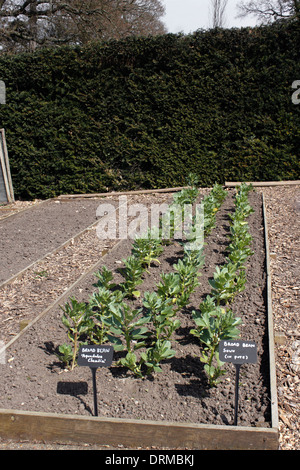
x=189 y=15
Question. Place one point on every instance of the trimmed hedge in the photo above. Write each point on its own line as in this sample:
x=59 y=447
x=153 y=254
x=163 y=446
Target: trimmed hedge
x=145 y=112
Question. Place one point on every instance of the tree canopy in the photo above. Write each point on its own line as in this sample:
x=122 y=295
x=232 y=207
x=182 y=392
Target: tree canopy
x=268 y=11
x=27 y=24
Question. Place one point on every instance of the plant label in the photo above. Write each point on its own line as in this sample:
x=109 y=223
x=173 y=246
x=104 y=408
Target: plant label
x=95 y=356
x=238 y=351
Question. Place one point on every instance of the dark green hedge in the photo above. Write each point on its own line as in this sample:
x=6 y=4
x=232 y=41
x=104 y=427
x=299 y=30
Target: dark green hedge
x=145 y=112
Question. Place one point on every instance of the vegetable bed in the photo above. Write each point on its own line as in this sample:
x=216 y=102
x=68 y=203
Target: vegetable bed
x=34 y=379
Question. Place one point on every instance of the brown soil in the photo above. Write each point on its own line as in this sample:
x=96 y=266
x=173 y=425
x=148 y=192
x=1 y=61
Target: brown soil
x=33 y=379
x=33 y=290
x=29 y=294
x=28 y=236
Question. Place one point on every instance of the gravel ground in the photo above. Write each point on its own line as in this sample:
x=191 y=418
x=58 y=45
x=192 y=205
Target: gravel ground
x=282 y=207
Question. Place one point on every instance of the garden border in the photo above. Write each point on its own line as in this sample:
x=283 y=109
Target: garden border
x=232 y=184
x=53 y=427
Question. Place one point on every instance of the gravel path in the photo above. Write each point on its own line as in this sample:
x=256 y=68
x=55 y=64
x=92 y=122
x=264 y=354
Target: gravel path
x=282 y=207
x=283 y=210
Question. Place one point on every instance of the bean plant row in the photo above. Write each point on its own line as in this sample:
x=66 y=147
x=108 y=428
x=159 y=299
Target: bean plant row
x=144 y=335
x=214 y=319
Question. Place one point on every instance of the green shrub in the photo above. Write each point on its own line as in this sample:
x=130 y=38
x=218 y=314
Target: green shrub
x=146 y=112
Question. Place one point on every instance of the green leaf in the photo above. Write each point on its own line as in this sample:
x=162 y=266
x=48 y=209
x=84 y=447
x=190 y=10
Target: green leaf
x=136 y=293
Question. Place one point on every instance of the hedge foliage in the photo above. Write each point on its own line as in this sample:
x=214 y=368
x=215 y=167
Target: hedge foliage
x=145 y=112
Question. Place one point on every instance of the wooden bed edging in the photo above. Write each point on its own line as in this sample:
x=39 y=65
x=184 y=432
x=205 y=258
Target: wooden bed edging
x=232 y=184
x=133 y=433
x=16 y=424
x=271 y=340
x=121 y=193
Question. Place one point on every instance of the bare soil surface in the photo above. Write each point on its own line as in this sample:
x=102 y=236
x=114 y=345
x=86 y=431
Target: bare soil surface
x=32 y=378
x=29 y=235
x=35 y=381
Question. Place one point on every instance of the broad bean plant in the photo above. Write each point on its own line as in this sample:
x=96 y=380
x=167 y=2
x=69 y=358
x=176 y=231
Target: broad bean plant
x=143 y=336
x=214 y=319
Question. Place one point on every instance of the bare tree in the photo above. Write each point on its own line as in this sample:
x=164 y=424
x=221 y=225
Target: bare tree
x=135 y=17
x=218 y=13
x=33 y=23
x=268 y=11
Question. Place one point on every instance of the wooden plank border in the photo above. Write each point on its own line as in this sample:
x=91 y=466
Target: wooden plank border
x=7 y=165
x=121 y=193
x=232 y=184
x=3 y=166
x=271 y=339
x=16 y=424
x=132 y=433
x=227 y=184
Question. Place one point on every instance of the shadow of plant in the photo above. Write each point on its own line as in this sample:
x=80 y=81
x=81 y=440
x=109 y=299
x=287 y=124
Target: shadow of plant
x=191 y=368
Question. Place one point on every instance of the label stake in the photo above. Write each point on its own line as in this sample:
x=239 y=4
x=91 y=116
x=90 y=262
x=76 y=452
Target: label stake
x=95 y=356
x=94 y=370
x=237 y=379
x=237 y=352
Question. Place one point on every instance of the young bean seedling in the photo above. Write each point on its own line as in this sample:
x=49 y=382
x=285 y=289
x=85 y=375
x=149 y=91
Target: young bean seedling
x=152 y=358
x=104 y=279
x=161 y=314
x=128 y=326
x=132 y=273
x=214 y=324
x=147 y=249
x=102 y=304
x=78 y=322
